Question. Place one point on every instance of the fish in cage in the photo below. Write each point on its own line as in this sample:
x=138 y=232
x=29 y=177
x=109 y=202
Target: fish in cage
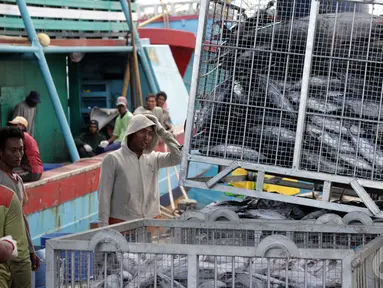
x=251 y=114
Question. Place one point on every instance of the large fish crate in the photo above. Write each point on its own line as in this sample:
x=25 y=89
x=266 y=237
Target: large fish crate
x=290 y=95
x=171 y=253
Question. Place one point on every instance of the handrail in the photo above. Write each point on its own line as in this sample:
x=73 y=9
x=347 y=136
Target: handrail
x=190 y=9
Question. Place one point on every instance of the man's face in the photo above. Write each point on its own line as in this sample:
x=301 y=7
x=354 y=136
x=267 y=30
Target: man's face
x=13 y=152
x=161 y=101
x=151 y=103
x=142 y=139
x=121 y=109
x=31 y=103
x=93 y=129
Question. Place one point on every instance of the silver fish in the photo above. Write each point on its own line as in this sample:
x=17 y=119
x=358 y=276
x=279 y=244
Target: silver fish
x=329 y=124
x=235 y=151
x=243 y=280
x=321 y=82
x=143 y=279
x=265 y=214
x=366 y=148
x=260 y=265
x=166 y=281
x=112 y=281
x=370 y=109
x=356 y=130
x=321 y=105
x=284 y=134
x=275 y=94
x=325 y=165
x=294 y=277
x=330 y=139
x=351 y=159
x=211 y=284
x=316 y=104
x=129 y=264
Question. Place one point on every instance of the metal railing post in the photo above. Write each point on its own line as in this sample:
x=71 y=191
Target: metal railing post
x=144 y=61
x=39 y=53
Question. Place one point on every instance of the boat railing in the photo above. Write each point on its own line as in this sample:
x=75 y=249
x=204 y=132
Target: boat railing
x=178 y=8
x=72 y=19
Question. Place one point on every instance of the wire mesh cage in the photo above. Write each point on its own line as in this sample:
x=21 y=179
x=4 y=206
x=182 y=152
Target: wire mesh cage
x=163 y=253
x=292 y=85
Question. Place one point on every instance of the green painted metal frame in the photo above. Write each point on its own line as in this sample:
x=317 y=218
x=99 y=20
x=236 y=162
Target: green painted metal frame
x=39 y=53
x=94 y=4
x=71 y=25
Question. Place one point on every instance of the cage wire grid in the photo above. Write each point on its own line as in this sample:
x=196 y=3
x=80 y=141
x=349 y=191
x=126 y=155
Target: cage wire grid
x=253 y=74
x=187 y=254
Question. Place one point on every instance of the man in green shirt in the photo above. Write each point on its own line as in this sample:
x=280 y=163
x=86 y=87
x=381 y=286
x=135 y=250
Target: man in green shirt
x=88 y=142
x=120 y=126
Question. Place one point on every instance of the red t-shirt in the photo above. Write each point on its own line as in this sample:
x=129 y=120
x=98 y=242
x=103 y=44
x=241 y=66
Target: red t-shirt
x=32 y=153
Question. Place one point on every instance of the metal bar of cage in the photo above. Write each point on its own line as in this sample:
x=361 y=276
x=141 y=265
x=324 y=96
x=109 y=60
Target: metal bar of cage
x=357 y=182
x=64 y=49
x=107 y=240
x=39 y=53
x=305 y=84
x=193 y=88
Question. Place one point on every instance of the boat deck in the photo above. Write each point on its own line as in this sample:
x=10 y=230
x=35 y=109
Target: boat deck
x=69 y=182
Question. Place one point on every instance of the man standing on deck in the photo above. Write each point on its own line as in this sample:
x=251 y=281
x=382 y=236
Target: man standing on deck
x=31 y=168
x=120 y=126
x=128 y=187
x=166 y=121
x=27 y=109
x=150 y=107
x=11 y=153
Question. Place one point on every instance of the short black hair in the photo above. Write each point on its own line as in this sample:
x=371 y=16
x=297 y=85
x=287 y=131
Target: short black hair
x=150 y=96
x=9 y=132
x=163 y=94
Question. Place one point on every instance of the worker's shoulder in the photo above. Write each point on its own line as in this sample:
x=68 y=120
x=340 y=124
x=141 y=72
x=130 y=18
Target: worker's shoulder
x=20 y=105
x=6 y=195
x=112 y=157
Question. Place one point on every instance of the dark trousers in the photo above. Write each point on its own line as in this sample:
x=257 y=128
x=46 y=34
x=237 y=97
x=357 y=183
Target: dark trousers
x=84 y=154
x=28 y=176
x=110 y=147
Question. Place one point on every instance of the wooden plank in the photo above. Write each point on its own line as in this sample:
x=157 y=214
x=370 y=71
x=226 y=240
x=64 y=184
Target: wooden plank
x=43 y=12
x=94 y=4
x=43 y=24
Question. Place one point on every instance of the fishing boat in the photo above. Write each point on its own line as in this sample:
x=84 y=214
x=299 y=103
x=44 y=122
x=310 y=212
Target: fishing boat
x=86 y=47
x=87 y=55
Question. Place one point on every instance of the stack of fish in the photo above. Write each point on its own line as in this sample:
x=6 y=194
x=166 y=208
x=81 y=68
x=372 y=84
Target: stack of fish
x=253 y=208
x=142 y=271
x=253 y=114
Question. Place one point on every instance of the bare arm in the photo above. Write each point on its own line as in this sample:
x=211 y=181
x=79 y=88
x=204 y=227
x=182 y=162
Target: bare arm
x=105 y=190
x=112 y=139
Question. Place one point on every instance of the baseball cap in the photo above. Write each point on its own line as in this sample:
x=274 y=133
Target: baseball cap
x=19 y=120
x=121 y=101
